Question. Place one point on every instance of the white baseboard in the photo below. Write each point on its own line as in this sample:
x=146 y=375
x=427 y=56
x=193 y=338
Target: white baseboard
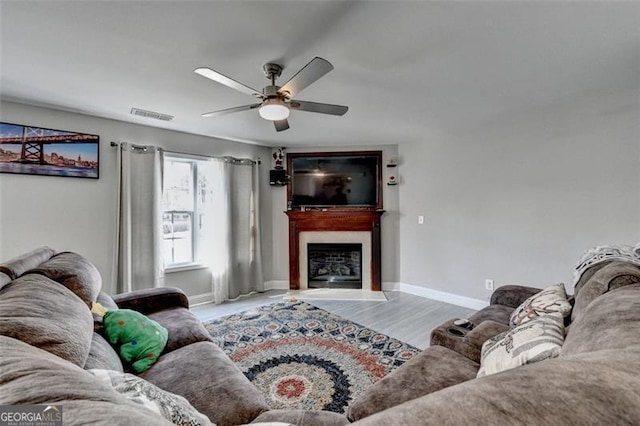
x=391 y=286
x=200 y=299
x=442 y=296
x=276 y=285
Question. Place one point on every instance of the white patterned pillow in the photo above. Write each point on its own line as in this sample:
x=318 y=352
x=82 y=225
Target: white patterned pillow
x=170 y=406
x=535 y=340
x=268 y=424
x=552 y=299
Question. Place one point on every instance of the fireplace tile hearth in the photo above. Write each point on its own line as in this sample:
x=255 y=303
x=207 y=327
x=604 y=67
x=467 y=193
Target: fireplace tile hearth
x=336 y=294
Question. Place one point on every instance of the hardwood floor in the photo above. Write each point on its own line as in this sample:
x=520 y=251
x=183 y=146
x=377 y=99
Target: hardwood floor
x=404 y=316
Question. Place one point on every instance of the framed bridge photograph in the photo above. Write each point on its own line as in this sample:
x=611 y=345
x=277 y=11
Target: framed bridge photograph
x=38 y=151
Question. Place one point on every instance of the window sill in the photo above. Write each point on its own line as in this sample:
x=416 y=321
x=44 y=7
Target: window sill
x=183 y=268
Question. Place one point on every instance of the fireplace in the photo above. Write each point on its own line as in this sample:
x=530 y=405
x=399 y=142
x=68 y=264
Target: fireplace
x=334 y=265
x=348 y=226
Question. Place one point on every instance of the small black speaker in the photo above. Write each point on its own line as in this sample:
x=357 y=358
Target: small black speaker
x=278 y=177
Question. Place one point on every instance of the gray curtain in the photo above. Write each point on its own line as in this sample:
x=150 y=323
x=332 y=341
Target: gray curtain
x=138 y=251
x=245 y=255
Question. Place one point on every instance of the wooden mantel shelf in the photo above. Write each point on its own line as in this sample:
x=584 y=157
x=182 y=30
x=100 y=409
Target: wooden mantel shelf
x=334 y=220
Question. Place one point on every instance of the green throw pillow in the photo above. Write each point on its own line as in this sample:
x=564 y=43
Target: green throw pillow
x=141 y=339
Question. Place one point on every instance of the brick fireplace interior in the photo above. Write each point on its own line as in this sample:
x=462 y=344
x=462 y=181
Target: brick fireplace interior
x=334 y=265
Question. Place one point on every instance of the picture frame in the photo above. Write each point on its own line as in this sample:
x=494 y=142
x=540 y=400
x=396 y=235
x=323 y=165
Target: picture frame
x=33 y=150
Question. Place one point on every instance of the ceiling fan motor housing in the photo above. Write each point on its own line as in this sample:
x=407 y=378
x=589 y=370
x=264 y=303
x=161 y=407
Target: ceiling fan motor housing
x=272 y=71
x=271 y=92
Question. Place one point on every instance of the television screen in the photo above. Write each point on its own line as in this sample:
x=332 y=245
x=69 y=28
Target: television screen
x=334 y=180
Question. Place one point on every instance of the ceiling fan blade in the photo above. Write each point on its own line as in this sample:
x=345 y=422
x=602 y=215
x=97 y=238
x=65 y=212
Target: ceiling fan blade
x=281 y=125
x=306 y=76
x=231 y=110
x=229 y=82
x=318 y=107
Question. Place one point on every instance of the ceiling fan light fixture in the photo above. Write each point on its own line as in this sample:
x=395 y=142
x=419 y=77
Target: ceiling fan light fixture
x=273 y=110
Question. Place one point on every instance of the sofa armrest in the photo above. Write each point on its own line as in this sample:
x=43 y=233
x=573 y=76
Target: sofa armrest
x=148 y=301
x=512 y=295
x=467 y=342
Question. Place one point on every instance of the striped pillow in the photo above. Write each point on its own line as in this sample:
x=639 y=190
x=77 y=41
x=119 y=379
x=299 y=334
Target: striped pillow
x=535 y=340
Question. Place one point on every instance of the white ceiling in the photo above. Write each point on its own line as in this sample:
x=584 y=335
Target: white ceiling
x=407 y=70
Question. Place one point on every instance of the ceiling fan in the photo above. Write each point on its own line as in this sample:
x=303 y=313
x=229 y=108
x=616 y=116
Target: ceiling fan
x=276 y=101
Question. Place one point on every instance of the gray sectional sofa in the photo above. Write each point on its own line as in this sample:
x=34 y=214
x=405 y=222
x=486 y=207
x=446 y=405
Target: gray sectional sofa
x=48 y=338
x=594 y=381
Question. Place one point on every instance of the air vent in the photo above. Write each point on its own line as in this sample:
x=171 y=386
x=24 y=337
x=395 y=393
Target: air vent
x=151 y=114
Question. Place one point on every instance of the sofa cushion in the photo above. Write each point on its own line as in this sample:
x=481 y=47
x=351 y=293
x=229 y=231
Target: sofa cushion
x=183 y=326
x=140 y=340
x=29 y=375
x=47 y=315
x=603 y=254
x=612 y=321
x=19 y=265
x=150 y=300
x=512 y=295
x=497 y=313
x=171 y=407
x=605 y=278
x=535 y=340
x=107 y=302
x=302 y=418
x=433 y=369
x=74 y=272
x=102 y=355
x=4 y=279
x=552 y=299
x=589 y=389
x=202 y=373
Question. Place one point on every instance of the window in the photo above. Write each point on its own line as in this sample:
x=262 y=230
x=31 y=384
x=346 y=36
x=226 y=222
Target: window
x=187 y=191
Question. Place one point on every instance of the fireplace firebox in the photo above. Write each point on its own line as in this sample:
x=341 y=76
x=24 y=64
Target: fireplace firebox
x=334 y=265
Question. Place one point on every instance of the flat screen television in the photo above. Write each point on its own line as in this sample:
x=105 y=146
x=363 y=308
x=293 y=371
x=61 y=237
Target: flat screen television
x=335 y=179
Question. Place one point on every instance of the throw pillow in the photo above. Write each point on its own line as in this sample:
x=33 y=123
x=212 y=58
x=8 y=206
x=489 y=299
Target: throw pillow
x=552 y=299
x=268 y=424
x=141 y=339
x=171 y=407
x=535 y=340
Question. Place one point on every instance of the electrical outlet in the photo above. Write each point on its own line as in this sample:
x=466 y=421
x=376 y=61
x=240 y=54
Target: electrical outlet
x=488 y=284
x=420 y=220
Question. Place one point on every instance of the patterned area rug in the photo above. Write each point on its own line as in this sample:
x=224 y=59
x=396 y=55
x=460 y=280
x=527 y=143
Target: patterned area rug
x=303 y=357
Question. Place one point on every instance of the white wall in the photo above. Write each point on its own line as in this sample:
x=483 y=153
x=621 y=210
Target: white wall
x=518 y=202
x=389 y=221
x=80 y=214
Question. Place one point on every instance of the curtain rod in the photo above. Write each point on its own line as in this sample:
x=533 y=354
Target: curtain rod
x=226 y=157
